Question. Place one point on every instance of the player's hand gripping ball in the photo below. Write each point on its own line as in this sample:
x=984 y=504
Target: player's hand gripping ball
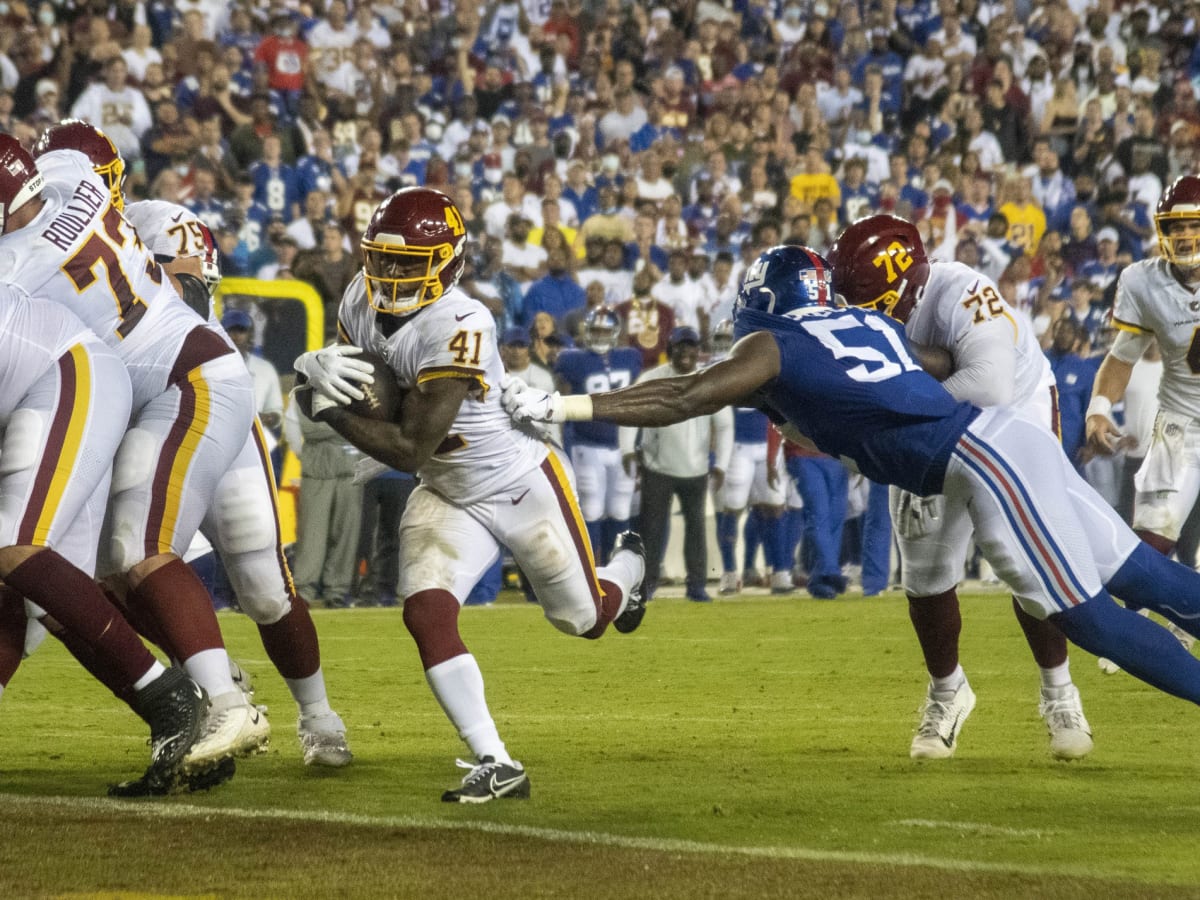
x=382 y=399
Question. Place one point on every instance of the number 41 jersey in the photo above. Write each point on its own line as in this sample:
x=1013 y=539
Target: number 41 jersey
x=81 y=252
x=454 y=337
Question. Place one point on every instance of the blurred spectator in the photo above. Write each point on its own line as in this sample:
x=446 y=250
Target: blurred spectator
x=677 y=291
x=285 y=57
x=557 y=292
x=307 y=228
x=677 y=462
x=117 y=107
x=330 y=515
x=647 y=322
x=526 y=262
x=329 y=269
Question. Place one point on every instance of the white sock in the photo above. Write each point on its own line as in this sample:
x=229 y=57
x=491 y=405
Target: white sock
x=210 y=669
x=309 y=694
x=458 y=685
x=151 y=674
x=944 y=688
x=1054 y=680
x=625 y=570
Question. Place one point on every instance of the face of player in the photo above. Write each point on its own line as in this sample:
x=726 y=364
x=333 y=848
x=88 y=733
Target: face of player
x=1185 y=240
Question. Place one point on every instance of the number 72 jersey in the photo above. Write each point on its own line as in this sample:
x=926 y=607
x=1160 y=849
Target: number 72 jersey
x=454 y=337
x=80 y=252
x=962 y=310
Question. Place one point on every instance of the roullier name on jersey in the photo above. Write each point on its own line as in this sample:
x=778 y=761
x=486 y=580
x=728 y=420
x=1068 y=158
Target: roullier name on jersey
x=69 y=224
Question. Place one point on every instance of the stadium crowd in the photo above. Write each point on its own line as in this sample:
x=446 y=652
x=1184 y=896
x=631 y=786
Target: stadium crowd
x=616 y=157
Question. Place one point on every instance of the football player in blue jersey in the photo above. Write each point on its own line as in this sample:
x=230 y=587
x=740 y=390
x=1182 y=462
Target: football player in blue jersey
x=603 y=479
x=844 y=380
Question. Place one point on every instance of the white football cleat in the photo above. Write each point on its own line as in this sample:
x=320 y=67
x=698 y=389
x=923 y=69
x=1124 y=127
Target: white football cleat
x=730 y=583
x=1107 y=666
x=234 y=727
x=1070 y=733
x=781 y=582
x=941 y=721
x=323 y=740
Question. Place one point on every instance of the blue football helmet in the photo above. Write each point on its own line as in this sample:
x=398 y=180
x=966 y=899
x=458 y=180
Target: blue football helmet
x=601 y=328
x=784 y=279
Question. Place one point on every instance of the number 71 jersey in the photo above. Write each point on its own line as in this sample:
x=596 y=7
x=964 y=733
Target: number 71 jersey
x=80 y=252
x=454 y=337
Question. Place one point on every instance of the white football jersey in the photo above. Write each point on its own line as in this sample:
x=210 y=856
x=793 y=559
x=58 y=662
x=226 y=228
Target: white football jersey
x=33 y=335
x=1150 y=300
x=452 y=337
x=82 y=253
x=960 y=303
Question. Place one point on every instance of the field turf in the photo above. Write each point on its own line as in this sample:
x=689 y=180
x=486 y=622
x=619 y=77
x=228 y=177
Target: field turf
x=755 y=747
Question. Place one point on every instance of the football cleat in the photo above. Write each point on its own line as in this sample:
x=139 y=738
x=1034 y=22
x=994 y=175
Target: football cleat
x=1070 y=734
x=152 y=786
x=489 y=780
x=234 y=727
x=242 y=679
x=941 y=721
x=635 y=604
x=323 y=740
x=730 y=583
x=175 y=707
x=781 y=582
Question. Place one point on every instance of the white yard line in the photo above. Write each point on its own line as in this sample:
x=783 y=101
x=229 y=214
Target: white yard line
x=974 y=828
x=169 y=810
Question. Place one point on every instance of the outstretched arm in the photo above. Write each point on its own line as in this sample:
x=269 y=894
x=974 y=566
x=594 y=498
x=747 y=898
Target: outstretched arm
x=752 y=363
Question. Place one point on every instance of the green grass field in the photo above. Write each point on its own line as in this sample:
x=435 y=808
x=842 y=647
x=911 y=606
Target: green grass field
x=748 y=748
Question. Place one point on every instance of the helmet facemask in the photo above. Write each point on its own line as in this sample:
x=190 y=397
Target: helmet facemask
x=401 y=279
x=113 y=174
x=1181 y=250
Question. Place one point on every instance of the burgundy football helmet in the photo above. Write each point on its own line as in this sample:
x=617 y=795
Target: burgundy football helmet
x=879 y=263
x=76 y=134
x=20 y=180
x=210 y=264
x=1179 y=203
x=414 y=250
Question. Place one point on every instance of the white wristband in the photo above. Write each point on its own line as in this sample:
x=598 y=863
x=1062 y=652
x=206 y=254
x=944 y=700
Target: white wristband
x=577 y=408
x=1099 y=406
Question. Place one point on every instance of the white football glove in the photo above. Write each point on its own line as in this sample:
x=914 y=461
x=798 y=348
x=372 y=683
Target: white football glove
x=917 y=516
x=332 y=372
x=528 y=406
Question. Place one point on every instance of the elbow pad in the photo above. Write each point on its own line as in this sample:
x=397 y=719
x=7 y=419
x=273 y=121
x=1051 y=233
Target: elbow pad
x=195 y=294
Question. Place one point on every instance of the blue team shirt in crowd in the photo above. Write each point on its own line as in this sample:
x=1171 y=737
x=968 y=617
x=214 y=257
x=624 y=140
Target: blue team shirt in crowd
x=589 y=372
x=848 y=381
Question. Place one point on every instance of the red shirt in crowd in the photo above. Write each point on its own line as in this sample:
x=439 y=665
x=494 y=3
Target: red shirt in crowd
x=285 y=57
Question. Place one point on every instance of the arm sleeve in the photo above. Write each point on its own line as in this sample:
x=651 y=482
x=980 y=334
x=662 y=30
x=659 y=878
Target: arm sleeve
x=1130 y=346
x=985 y=362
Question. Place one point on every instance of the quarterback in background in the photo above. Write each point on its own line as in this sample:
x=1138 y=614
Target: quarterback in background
x=484 y=482
x=1160 y=299
x=879 y=263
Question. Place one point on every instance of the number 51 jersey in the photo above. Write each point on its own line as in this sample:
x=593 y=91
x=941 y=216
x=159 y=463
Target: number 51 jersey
x=82 y=253
x=455 y=337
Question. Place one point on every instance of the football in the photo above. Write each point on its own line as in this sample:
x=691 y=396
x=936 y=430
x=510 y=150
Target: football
x=381 y=400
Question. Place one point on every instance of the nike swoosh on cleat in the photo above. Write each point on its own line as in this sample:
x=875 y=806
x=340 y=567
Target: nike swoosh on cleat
x=949 y=742
x=516 y=500
x=463 y=316
x=498 y=787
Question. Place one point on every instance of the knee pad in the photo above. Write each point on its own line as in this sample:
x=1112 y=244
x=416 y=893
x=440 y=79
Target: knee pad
x=22 y=441
x=259 y=583
x=134 y=463
x=244 y=515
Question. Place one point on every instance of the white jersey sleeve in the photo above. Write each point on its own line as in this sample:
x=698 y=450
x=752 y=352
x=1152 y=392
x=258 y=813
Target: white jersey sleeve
x=997 y=357
x=1150 y=300
x=455 y=337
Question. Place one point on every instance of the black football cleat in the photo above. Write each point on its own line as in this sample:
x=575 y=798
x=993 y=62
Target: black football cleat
x=635 y=604
x=176 y=709
x=489 y=780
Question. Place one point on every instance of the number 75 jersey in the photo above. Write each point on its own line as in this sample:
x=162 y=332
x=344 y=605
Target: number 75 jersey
x=80 y=252
x=962 y=310
x=455 y=337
